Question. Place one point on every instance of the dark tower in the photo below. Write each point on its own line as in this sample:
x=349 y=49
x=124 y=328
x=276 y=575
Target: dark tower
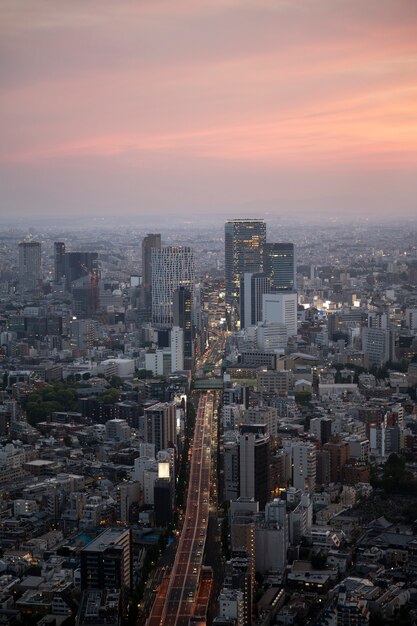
x=182 y=317
x=244 y=252
x=59 y=254
x=279 y=264
x=152 y=240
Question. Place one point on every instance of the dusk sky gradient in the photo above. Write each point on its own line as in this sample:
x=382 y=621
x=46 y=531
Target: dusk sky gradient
x=235 y=107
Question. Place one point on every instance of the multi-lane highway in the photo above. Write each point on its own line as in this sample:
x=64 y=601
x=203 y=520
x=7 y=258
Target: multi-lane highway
x=179 y=597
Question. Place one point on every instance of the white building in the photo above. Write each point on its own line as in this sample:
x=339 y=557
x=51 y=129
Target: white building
x=118 y=429
x=172 y=267
x=281 y=308
x=271 y=337
x=177 y=349
x=231 y=605
x=376 y=345
x=303 y=463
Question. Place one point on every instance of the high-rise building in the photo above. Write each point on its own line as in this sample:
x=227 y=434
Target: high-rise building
x=183 y=318
x=280 y=265
x=150 y=242
x=252 y=287
x=29 y=263
x=106 y=563
x=172 y=267
x=254 y=453
x=177 y=349
x=281 y=308
x=160 y=425
x=303 y=464
x=74 y=265
x=59 y=253
x=244 y=252
x=376 y=344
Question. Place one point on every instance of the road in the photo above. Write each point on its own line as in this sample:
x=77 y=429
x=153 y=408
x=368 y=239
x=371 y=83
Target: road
x=179 y=597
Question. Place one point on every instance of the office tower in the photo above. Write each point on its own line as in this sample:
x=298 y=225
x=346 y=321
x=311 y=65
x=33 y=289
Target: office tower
x=172 y=267
x=244 y=252
x=230 y=470
x=78 y=264
x=254 y=452
x=106 y=563
x=271 y=538
x=59 y=254
x=252 y=287
x=177 y=349
x=376 y=345
x=150 y=242
x=29 y=263
x=281 y=308
x=160 y=425
x=280 y=265
x=182 y=317
x=303 y=464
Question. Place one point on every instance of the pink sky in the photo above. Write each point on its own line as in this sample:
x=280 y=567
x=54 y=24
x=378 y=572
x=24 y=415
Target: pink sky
x=154 y=106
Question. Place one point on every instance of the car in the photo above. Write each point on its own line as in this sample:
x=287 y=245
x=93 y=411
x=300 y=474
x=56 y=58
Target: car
x=195 y=570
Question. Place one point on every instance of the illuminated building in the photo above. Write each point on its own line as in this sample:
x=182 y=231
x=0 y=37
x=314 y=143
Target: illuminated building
x=279 y=264
x=244 y=252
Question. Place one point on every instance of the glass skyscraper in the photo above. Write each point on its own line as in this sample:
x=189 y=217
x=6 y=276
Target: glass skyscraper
x=244 y=252
x=279 y=264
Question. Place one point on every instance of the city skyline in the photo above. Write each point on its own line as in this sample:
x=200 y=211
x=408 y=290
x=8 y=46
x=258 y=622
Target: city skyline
x=228 y=107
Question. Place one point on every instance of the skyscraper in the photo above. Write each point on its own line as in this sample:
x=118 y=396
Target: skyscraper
x=77 y=265
x=244 y=252
x=29 y=263
x=254 y=452
x=252 y=288
x=172 y=267
x=59 y=254
x=182 y=317
x=279 y=264
x=151 y=241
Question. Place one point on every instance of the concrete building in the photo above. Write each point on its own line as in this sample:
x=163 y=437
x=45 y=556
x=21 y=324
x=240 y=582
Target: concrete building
x=303 y=463
x=281 y=308
x=29 y=263
x=106 y=563
x=253 y=285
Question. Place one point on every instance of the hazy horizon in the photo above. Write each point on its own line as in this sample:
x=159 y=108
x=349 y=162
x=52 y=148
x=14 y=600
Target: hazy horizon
x=208 y=110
